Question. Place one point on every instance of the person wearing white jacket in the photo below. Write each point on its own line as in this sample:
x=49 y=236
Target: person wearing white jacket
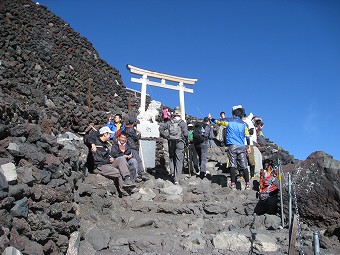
x=253 y=141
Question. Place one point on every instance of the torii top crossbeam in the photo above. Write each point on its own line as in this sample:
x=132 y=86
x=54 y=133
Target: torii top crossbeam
x=163 y=77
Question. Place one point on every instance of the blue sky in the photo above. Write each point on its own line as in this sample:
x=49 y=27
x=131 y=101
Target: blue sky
x=279 y=59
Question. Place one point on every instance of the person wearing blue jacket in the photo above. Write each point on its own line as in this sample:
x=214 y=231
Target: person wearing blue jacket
x=236 y=132
x=116 y=125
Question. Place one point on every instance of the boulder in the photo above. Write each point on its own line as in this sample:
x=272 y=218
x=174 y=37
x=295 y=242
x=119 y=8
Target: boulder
x=9 y=172
x=232 y=242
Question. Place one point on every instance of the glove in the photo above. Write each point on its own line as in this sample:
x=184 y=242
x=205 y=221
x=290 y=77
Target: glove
x=212 y=119
x=251 y=131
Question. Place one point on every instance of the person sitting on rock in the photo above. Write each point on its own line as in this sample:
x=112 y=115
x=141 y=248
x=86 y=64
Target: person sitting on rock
x=103 y=162
x=176 y=132
x=236 y=132
x=116 y=126
x=121 y=149
x=268 y=190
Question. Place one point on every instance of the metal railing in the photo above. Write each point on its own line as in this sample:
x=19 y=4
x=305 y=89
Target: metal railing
x=294 y=223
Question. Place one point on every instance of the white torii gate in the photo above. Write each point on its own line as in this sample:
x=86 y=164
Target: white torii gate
x=163 y=77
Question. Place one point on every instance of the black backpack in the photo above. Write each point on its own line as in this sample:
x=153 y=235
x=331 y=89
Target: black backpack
x=199 y=132
x=175 y=130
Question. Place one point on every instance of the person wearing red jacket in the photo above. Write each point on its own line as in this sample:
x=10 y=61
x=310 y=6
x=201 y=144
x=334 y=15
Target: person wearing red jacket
x=268 y=190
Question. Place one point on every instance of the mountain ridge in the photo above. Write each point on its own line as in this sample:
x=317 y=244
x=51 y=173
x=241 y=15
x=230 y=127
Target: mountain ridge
x=52 y=82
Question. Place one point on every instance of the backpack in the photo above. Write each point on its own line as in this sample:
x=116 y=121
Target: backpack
x=199 y=132
x=220 y=134
x=117 y=133
x=166 y=114
x=175 y=130
x=191 y=135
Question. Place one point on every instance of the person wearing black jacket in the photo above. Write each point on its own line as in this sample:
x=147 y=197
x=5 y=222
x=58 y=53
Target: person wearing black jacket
x=202 y=146
x=133 y=136
x=103 y=162
x=121 y=149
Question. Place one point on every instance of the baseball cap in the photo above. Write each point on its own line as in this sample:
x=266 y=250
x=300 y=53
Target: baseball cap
x=104 y=130
x=236 y=107
x=177 y=113
x=132 y=120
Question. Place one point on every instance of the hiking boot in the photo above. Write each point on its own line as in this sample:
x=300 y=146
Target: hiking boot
x=233 y=187
x=247 y=186
x=127 y=181
x=145 y=176
x=138 y=179
x=202 y=175
x=197 y=170
x=134 y=190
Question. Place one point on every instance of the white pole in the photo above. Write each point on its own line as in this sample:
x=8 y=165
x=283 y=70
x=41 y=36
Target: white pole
x=290 y=207
x=181 y=100
x=143 y=95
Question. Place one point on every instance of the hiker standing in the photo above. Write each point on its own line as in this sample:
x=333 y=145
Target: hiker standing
x=166 y=114
x=236 y=132
x=221 y=130
x=253 y=142
x=203 y=134
x=176 y=132
x=192 y=158
x=258 y=123
x=133 y=137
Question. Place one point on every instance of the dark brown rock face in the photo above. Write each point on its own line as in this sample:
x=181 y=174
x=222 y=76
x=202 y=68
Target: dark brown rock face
x=51 y=75
x=51 y=81
x=318 y=191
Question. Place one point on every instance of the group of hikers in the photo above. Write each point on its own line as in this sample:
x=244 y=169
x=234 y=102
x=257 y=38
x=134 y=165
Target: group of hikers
x=238 y=133
x=114 y=153
x=114 y=149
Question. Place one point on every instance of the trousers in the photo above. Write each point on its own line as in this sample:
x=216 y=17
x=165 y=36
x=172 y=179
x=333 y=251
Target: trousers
x=176 y=155
x=117 y=170
x=202 y=152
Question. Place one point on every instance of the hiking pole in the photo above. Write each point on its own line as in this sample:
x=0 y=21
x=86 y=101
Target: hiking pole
x=290 y=199
x=188 y=159
x=281 y=199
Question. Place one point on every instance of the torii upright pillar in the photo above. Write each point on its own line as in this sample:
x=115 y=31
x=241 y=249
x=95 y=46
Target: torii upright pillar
x=163 y=77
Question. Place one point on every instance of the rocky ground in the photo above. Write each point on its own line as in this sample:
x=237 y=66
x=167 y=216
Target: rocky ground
x=53 y=85
x=196 y=217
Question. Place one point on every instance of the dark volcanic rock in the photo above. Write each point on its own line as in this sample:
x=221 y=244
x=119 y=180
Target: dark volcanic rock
x=318 y=191
x=21 y=208
x=46 y=71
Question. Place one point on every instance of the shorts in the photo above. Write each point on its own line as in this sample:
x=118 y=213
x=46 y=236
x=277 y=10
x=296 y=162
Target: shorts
x=237 y=156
